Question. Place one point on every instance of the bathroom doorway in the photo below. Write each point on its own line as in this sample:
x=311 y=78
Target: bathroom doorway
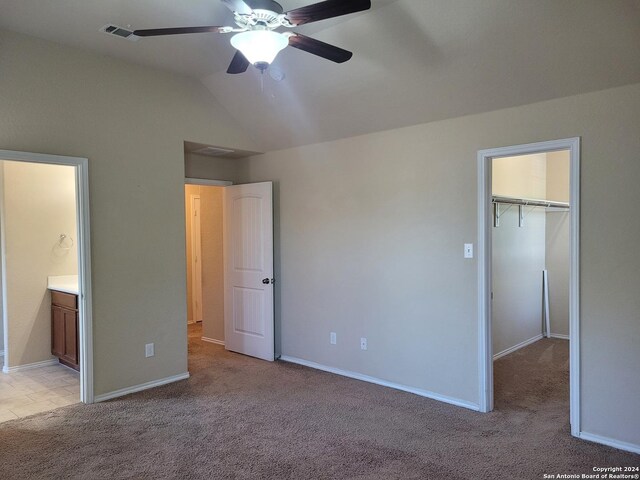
x=46 y=294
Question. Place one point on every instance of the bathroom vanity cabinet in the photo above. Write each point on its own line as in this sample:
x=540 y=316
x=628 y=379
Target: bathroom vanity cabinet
x=64 y=328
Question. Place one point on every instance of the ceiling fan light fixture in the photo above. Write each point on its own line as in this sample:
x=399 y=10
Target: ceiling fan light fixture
x=260 y=47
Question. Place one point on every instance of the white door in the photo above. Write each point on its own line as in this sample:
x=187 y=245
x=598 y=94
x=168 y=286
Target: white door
x=248 y=270
x=196 y=256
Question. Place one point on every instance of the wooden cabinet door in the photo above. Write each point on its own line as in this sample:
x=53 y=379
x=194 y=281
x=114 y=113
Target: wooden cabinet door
x=57 y=331
x=71 y=337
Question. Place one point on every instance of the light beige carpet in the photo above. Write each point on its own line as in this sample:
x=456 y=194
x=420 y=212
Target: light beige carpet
x=237 y=417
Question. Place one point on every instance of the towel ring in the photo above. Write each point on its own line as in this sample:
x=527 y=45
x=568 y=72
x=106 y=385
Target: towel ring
x=65 y=241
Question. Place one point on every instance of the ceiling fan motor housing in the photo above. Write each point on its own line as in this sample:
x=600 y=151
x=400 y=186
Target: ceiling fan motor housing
x=268 y=5
x=265 y=15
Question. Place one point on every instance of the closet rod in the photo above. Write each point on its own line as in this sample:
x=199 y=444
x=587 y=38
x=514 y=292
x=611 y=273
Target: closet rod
x=529 y=202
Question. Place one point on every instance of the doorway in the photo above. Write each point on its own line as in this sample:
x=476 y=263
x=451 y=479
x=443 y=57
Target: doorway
x=229 y=250
x=205 y=268
x=70 y=243
x=488 y=216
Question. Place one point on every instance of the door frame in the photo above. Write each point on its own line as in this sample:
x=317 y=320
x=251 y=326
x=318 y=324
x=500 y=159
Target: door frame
x=485 y=347
x=83 y=235
x=227 y=183
x=205 y=182
x=196 y=253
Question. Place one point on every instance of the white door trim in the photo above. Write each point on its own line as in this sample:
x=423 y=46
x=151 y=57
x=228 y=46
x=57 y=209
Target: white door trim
x=84 y=260
x=485 y=351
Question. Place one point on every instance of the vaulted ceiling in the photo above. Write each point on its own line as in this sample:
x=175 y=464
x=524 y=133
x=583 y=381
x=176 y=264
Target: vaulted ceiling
x=414 y=61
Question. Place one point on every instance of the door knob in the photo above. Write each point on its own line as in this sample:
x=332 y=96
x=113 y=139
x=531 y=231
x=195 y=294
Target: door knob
x=266 y=281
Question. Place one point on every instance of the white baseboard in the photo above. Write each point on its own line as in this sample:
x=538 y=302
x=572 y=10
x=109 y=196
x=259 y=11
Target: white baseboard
x=29 y=366
x=140 y=387
x=629 y=447
x=384 y=383
x=560 y=336
x=517 y=347
x=212 y=340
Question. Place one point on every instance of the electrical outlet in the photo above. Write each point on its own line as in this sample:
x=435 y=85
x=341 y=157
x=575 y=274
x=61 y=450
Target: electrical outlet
x=332 y=338
x=363 y=343
x=149 y=350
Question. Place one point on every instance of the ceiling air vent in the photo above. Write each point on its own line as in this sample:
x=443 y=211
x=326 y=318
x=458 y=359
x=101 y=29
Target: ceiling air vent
x=121 y=32
x=213 y=151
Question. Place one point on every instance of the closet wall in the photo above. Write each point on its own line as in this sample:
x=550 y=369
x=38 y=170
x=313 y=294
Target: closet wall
x=557 y=243
x=520 y=254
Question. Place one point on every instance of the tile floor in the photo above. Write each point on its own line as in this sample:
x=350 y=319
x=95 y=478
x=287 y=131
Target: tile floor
x=28 y=392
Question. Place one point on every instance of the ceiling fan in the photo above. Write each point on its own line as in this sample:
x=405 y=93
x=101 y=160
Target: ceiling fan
x=256 y=40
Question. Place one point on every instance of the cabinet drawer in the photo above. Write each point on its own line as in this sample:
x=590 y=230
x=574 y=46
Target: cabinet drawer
x=67 y=300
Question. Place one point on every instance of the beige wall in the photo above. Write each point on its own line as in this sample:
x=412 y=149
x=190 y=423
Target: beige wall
x=202 y=166
x=370 y=238
x=558 y=241
x=39 y=204
x=518 y=261
x=212 y=264
x=558 y=181
x=558 y=268
x=130 y=122
x=524 y=176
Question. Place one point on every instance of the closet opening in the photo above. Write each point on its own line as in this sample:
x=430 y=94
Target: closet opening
x=528 y=277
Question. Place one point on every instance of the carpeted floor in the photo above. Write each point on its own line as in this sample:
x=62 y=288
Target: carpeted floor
x=238 y=417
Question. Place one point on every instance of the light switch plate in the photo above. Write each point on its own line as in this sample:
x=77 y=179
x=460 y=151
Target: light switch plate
x=149 y=350
x=468 y=250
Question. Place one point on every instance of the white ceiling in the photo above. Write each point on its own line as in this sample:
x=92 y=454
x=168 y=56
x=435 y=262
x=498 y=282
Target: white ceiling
x=414 y=60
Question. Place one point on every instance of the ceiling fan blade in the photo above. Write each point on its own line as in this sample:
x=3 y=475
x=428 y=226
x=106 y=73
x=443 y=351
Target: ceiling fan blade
x=238 y=6
x=326 y=9
x=321 y=49
x=156 y=32
x=239 y=64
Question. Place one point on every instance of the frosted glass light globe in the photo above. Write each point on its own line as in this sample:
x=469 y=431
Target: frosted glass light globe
x=259 y=46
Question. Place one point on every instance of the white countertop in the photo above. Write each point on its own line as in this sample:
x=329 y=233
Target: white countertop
x=64 y=283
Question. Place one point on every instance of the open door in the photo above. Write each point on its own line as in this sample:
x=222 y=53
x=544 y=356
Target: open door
x=248 y=270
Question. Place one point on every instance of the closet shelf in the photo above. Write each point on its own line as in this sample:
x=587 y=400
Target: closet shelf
x=521 y=203
x=529 y=202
